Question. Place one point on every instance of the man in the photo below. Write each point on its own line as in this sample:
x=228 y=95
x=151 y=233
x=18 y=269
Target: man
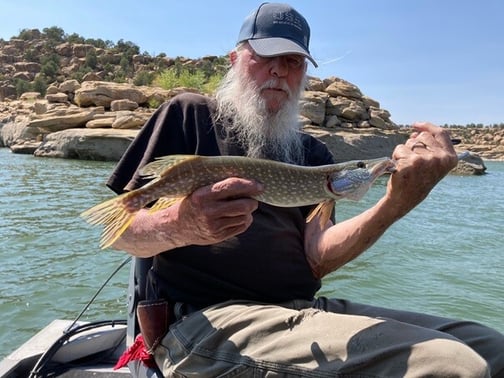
x=240 y=277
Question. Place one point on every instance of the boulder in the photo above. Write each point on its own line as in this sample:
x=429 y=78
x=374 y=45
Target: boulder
x=313 y=105
x=30 y=96
x=469 y=164
x=357 y=145
x=129 y=120
x=315 y=84
x=100 y=123
x=31 y=67
x=124 y=104
x=69 y=86
x=100 y=93
x=25 y=147
x=52 y=123
x=17 y=131
x=340 y=87
x=57 y=98
x=87 y=144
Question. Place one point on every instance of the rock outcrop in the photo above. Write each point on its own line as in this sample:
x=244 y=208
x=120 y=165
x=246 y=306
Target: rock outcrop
x=39 y=124
x=86 y=144
x=96 y=118
x=351 y=124
x=486 y=142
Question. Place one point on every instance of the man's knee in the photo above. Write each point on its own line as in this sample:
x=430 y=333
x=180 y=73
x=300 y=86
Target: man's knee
x=446 y=358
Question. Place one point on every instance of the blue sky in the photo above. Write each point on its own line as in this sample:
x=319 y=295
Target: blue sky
x=423 y=60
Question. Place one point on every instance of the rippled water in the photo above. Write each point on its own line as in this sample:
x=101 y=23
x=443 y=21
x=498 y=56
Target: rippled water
x=445 y=257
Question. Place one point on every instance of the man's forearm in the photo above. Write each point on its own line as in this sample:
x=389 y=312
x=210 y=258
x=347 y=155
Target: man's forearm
x=150 y=233
x=330 y=248
x=211 y=214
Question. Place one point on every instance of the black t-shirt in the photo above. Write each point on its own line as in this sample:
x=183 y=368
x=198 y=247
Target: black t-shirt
x=266 y=263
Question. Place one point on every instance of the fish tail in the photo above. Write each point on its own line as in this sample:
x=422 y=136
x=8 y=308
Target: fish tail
x=164 y=202
x=114 y=215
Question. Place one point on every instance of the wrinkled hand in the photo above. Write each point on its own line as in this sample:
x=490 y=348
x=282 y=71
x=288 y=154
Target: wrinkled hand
x=421 y=162
x=426 y=157
x=219 y=211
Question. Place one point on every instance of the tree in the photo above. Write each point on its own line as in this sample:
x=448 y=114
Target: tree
x=49 y=69
x=49 y=66
x=54 y=33
x=91 y=59
x=22 y=87
x=27 y=34
x=143 y=78
x=31 y=55
x=74 y=38
x=98 y=43
x=40 y=85
x=128 y=48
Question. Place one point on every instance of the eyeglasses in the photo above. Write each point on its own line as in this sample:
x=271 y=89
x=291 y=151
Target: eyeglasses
x=293 y=61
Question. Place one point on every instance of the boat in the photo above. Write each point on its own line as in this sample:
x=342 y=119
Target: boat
x=74 y=348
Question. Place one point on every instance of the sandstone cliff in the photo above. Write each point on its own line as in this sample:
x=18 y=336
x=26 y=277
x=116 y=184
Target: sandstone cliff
x=95 y=118
x=74 y=111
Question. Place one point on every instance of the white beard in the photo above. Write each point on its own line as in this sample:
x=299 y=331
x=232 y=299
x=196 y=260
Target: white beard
x=263 y=134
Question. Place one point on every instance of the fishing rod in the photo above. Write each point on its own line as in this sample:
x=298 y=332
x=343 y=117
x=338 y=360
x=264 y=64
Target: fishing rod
x=127 y=260
x=74 y=329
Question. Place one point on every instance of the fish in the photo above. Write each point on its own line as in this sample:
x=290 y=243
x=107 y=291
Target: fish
x=174 y=177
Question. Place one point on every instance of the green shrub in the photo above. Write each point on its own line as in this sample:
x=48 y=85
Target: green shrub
x=154 y=103
x=40 y=85
x=91 y=59
x=74 y=38
x=22 y=87
x=79 y=74
x=54 y=33
x=212 y=83
x=31 y=55
x=49 y=69
x=143 y=78
x=182 y=77
x=26 y=35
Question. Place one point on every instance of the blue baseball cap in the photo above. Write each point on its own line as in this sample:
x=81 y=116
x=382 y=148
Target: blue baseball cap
x=277 y=29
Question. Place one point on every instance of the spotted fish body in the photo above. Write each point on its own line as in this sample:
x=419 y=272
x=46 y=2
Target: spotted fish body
x=285 y=185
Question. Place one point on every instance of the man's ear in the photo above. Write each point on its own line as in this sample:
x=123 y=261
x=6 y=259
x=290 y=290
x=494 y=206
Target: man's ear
x=233 y=57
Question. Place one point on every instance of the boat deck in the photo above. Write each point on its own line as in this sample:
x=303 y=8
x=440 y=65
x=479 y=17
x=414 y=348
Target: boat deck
x=91 y=353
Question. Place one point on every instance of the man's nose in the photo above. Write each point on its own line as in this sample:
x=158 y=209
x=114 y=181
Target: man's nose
x=279 y=66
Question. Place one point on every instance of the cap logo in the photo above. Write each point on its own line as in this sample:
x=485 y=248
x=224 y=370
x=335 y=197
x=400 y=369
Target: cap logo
x=290 y=19
x=287 y=18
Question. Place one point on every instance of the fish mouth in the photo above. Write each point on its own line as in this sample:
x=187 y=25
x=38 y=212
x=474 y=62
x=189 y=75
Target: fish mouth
x=380 y=166
x=354 y=181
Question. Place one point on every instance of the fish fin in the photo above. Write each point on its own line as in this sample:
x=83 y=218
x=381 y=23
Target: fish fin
x=113 y=215
x=323 y=210
x=164 y=202
x=157 y=167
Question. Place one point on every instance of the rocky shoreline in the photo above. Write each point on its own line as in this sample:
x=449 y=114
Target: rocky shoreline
x=97 y=95
x=97 y=120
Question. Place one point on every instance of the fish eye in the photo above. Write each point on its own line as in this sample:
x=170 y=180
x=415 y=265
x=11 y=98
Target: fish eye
x=361 y=164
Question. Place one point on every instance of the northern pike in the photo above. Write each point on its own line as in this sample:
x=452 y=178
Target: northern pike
x=286 y=185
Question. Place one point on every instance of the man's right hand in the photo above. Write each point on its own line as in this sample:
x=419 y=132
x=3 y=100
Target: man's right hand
x=219 y=211
x=209 y=215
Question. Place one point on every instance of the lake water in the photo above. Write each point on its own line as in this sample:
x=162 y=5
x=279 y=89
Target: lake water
x=445 y=257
